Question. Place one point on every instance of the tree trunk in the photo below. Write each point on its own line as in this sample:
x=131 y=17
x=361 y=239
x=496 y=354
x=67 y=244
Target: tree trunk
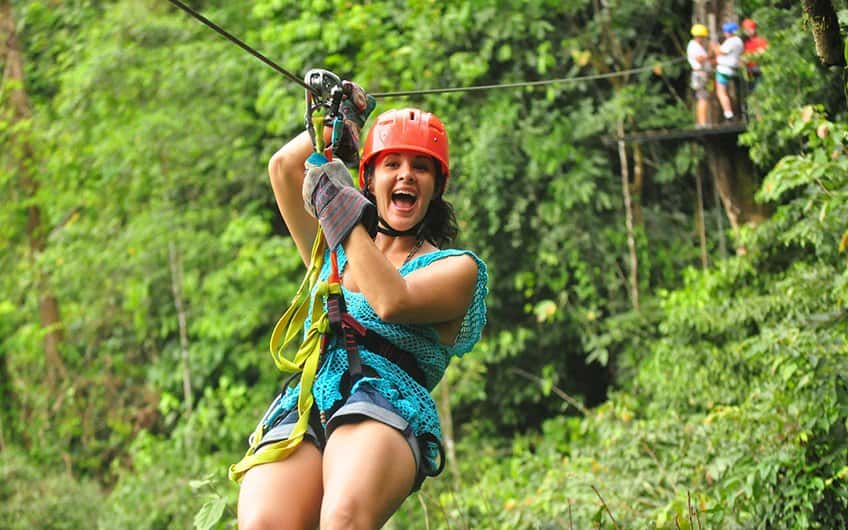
x=628 y=218
x=447 y=429
x=722 y=244
x=734 y=179
x=829 y=46
x=736 y=184
x=7 y=399
x=638 y=183
x=176 y=266
x=701 y=224
x=611 y=46
x=18 y=112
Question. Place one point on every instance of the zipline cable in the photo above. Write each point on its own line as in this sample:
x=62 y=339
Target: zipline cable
x=243 y=46
x=525 y=83
x=378 y=95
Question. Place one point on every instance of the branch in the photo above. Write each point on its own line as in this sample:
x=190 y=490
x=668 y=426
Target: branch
x=614 y=522
x=556 y=390
x=426 y=513
x=62 y=222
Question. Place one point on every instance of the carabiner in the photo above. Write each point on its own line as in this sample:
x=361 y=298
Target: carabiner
x=322 y=107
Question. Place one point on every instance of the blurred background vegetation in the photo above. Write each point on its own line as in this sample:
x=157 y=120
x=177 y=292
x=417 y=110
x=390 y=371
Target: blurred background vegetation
x=136 y=216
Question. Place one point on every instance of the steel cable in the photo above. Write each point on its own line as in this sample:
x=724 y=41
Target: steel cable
x=243 y=46
x=618 y=73
x=404 y=93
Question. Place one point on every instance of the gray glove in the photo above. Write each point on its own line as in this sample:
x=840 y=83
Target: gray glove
x=355 y=110
x=330 y=197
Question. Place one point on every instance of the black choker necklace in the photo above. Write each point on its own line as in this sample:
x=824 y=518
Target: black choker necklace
x=385 y=228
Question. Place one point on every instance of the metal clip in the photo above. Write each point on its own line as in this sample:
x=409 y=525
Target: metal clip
x=322 y=106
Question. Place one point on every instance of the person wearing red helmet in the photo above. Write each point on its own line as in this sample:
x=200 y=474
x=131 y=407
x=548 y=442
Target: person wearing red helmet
x=374 y=437
x=755 y=45
x=420 y=135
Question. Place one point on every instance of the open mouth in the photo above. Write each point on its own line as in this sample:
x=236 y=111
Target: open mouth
x=404 y=200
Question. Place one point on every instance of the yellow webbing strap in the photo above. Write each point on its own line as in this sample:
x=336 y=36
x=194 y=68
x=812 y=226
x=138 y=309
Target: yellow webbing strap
x=304 y=360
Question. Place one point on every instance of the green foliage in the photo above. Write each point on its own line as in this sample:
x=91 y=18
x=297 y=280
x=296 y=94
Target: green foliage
x=34 y=494
x=790 y=61
x=151 y=495
x=723 y=395
x=736 y=413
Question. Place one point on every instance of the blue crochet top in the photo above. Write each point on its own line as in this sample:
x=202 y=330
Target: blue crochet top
x=412 y=401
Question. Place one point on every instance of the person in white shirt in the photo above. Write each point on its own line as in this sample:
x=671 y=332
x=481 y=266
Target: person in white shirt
x=699 y=60
x=728 y=58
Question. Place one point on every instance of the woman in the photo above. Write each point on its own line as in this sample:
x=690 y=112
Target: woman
x=373 y=438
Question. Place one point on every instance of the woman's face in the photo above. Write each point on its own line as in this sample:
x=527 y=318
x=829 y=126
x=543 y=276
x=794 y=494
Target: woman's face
x=403 y=185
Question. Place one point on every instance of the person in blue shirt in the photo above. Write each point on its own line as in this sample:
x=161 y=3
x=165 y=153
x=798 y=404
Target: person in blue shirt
x=374 y=438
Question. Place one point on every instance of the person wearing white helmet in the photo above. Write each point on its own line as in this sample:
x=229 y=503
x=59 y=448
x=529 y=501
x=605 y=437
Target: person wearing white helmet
x=699 y=60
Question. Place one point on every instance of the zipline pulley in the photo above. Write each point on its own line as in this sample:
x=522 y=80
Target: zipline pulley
x=323 y=99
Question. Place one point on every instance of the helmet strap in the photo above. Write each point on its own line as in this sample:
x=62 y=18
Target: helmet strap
x=385 y=228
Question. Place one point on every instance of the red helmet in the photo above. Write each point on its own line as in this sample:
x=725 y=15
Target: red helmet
x=406 y=130
x=749 y=24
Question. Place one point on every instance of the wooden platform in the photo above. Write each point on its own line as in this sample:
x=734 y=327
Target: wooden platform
x=734 y=127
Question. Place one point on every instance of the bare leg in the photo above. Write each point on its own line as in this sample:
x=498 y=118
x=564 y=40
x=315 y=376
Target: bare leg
x=369 y=470
x=283 y=495
x=724 y=99
x=701 y=108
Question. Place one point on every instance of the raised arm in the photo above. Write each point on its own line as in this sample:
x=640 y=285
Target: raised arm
x=438 y=293
x=286 y=169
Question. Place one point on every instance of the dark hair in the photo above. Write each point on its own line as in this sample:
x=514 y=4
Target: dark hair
x=439 y=223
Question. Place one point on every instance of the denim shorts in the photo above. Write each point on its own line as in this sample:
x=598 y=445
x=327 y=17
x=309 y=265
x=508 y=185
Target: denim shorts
x=724 y=79
x=364 y=403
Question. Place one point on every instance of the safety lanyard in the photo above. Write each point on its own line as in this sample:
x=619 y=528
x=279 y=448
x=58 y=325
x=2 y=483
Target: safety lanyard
x=306 y=358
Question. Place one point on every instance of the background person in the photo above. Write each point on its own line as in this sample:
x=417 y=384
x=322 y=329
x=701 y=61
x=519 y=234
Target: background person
x=754 y=45
x=728 y=55
x=699 y=61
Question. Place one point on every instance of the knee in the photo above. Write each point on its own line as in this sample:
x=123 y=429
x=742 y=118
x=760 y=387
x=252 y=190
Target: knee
x=270 y=520
x=344 y=514
x=256 y=521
